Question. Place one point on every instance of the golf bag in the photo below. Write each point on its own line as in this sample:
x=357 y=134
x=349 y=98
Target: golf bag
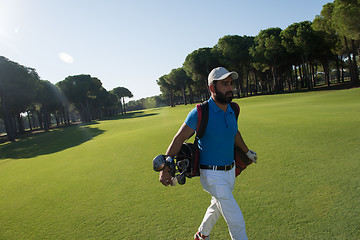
x=185 y=160
x=180 y=166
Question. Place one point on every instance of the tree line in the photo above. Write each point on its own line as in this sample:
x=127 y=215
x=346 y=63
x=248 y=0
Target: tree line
x=300 y=56
x=81 y=97
x=276 y=60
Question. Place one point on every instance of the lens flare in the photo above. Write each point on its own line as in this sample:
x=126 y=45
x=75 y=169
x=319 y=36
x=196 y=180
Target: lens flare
x=65 y=57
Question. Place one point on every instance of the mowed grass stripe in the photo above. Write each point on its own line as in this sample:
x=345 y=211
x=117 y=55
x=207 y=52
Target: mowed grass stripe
x=96 y=181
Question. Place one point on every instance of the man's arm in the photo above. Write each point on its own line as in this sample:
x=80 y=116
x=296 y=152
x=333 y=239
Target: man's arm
x=184 y=133
x=239 y=142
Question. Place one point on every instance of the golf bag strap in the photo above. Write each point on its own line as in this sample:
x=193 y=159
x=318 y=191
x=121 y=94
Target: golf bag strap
x=203 y=117
x=236 y=108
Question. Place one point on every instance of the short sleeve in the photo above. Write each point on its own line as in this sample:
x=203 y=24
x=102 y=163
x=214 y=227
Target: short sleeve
x=191 y=119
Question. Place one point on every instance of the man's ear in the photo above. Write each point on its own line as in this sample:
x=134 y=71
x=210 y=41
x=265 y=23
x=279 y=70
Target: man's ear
x=212 y=88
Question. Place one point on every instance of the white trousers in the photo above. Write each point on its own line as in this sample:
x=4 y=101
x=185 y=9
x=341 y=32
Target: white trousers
x=220 y=185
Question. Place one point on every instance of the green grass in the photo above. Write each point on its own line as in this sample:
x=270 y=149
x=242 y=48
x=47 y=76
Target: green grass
x=96 y=181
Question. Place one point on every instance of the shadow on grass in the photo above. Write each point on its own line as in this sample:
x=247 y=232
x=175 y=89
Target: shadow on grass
x=137 y=114
x=48 y=142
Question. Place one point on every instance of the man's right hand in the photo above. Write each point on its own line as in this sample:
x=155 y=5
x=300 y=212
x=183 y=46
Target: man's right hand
x=184 y=133
x=165 y=177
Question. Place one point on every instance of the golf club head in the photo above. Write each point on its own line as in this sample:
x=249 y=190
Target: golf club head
x=181 y=178
x=183 y=164
x=159 y=163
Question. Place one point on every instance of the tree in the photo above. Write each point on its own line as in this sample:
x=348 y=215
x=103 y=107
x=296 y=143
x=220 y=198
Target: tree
x=306 y=40
x=145 y=103
x=305 y=47
x=268 y=50
x=17 y=91
x=179 y=80
x=345 y=19
x=236 y=56
x=293 y=50
x=166 y=89
x=50 y=100
x=79 y=89
x=324 y=26
x=111 y=103
x=198 y=65
x=103 y=103
x=121 y=93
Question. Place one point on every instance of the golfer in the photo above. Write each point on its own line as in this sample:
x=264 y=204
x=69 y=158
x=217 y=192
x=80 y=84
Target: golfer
x=217 y=171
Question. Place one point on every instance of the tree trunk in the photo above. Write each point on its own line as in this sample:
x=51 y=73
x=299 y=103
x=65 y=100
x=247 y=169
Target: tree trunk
x=29 y=120
x=355 y=67
x=281 y=83
x=21 y=129
x=350 y=60
x=124 y=105
x=275 y=78
x=184 y=95
x=121 y=110
x=57 y=119
x=290 y=79
x=190 y=94
x=238 y=88
x=248 y=85
x=296 y=79
x=248 y=88
x=45 y=118
x=34 y=123
x=338 y=70
x=40 y=119
x=65 y=110
x=342 y=70
x=268 y=81
x=313 y=80
x=62 y=117
x=9 y=126
x=306 y=72
x=171 y=100
x=207 y=93
x=325 y=64
x=87 y=111
x=301 y=74
x=256 y=84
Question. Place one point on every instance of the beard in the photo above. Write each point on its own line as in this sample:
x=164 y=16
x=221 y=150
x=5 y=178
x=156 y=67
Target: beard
x=223 y=98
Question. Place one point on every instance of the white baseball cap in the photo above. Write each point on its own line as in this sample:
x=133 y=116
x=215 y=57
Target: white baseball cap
x=220 y=73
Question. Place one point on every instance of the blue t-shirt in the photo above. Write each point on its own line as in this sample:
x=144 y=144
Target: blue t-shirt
x=217 y=144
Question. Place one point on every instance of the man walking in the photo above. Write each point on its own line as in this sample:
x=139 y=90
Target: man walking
x=217 y=171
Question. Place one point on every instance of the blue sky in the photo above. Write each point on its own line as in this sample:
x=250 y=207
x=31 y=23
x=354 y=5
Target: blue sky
x=131 y=43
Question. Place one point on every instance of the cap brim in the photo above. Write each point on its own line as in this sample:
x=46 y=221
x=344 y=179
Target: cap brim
x=234 y=75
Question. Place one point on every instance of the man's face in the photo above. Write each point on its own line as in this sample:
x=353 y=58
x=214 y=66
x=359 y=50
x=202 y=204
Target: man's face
x=224 y=90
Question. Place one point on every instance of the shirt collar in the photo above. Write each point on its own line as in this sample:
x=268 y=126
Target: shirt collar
x=215 y=108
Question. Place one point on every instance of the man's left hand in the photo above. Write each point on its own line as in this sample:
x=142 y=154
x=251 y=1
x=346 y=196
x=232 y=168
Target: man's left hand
x=252 y=155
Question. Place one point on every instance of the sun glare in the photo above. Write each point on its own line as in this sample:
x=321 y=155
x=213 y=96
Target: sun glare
x=65 y=57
